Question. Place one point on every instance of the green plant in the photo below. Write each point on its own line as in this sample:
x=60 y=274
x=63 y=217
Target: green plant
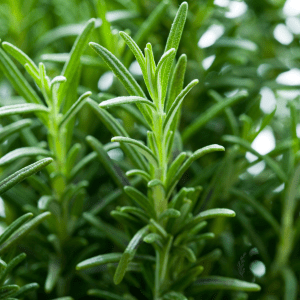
x=55 y=112
x=162 y=217
x=90 y=197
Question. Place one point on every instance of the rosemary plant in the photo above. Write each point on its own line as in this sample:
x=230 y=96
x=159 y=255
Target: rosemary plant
x=55 y=112
x=163 y=217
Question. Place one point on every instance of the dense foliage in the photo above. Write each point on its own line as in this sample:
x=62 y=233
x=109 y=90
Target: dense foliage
x=114 y=118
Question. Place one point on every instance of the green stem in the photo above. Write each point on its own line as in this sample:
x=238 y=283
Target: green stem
x=59 y=182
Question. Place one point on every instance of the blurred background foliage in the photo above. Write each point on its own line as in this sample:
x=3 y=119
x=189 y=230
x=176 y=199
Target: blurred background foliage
x=231 y=46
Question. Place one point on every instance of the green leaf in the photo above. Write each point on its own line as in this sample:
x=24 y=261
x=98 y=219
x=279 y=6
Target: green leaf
x=71 y=157
x=128 y=254
x=141 y=200
x=45 y=84
x=22 y=109
x=74 y=109
x=105 y=29
x=151 y=238
x=162 y=73
x=150 y=73
x=177 y=80
x=11 y=265
x=209 y=214
x=22 y=174
x=222 y=283
x=99 y=260
x=54 y=271
x=126 y=100
x=135 y=50
x=151 y=142
x=57 y=80
x=177 y=27
x=21 y=57
x=25 y=289
x=178 y=161
x=209 y=114
x=173 y=43
x=112 y=168
x=8 y=290
x=17 y=79
x=147 y=26
x=141 y=173
x=197 y=154
x=71 y=66
x=23 y=152
x=13 y=128
x=155 y=182
x=170 y=213
x=124 y=76
x=14 y=226
x=158 y=228
x=116 y=129
x=136 y=211
x=161 y=65
x=176 y=105
x=170 y=142
x=22 y=231
x=139 y=147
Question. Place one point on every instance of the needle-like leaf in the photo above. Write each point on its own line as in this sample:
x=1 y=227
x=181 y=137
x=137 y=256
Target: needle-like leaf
x=171 y=182
x=21 y=57
x=124 y=76
x=14 y=127
x=21 y=109
x=126 y=100
x=71 y=66
x=99 y=260
x=20 y=175
x=128 y=254
x=74 y=109
x=23 y=230
x=170 y=118
x=23 y=152
x=222 y=283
